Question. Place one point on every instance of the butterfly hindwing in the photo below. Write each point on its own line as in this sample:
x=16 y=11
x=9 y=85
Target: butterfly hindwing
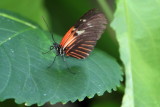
x=80 y=40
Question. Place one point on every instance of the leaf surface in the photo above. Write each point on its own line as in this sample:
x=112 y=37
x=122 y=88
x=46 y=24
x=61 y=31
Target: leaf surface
x=137 y=26
x=24 y=72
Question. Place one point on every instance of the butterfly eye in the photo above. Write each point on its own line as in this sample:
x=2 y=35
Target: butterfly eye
x=51 y=47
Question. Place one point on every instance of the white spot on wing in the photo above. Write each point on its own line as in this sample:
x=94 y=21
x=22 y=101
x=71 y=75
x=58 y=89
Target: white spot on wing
x=80 y=32
x=89 y=25
x=83 y=20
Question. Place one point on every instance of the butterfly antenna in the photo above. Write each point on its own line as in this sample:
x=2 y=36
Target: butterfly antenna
x=48 y=28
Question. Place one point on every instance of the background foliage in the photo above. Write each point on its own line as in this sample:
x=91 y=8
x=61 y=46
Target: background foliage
x=139 y=47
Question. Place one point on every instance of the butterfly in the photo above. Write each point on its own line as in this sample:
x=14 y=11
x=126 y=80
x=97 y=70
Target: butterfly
x=81 y=38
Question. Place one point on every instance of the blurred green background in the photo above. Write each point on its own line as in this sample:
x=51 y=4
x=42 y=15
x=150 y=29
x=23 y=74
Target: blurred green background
x=61 y=15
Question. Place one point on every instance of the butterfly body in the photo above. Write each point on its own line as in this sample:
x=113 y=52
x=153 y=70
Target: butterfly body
x=58 y=48
x=80 y=40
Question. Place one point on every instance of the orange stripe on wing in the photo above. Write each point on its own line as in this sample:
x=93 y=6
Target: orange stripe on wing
x=82 y=52
x=71 y=42
x=73 y=56
x=87 y=45
x=67 y=36
x=77 y=54
x=84 y=48
x=71 y=38
x=71 y=45
x=68 y=49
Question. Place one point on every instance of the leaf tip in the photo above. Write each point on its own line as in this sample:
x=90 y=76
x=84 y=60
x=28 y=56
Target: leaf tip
x=26 y=104
x=91 y=96
x=80 y=99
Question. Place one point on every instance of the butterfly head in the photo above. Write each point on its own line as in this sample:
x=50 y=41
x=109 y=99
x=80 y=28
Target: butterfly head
x=54 y=46
x=57 y=48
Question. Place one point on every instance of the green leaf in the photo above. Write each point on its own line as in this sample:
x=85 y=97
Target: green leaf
x=31 y=9
x=24 y=72
x=137 y=25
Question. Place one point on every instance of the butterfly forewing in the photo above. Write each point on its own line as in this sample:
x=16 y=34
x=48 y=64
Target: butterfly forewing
x=80 y=40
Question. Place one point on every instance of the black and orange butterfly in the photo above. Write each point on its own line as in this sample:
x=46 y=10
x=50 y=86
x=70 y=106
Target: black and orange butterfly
x=80 y=40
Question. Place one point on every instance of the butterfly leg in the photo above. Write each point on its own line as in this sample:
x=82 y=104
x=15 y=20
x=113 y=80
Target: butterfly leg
x=51 y=48
x=46 y=52
x=52 y=62
x=67 y=65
